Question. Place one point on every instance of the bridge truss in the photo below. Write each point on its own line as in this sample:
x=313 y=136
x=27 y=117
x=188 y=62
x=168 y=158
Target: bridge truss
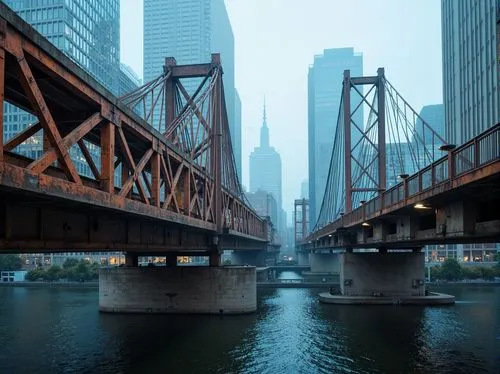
x=160 y=157
x=391 y=141
x=394 y=182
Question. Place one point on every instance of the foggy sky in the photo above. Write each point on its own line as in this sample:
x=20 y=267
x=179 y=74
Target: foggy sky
x=275 y=42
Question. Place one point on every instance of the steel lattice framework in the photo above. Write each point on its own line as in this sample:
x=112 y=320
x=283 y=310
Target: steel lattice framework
x=391 y=164
x=364 y=163
x=175 y=164
x=197 y=124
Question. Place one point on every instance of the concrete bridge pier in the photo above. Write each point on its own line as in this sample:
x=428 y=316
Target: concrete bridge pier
x=131 y=259
x=199 y=290
x=384 y=278
x=324 y=262
x=383 y=274
x=177 y=289
x=324 y=267
x=302 y=258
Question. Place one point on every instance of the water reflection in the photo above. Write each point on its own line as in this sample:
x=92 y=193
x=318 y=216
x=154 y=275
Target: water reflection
x=60 y=331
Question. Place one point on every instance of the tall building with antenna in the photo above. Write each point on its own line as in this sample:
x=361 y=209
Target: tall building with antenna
x=265 y=168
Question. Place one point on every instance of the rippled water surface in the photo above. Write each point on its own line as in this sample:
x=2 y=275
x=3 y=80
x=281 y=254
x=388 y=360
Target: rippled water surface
x=44 y=330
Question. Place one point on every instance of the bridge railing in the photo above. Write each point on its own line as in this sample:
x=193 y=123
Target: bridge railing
x=471 y=155
x=478 y=152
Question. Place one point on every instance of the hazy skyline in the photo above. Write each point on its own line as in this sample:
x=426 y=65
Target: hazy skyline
x=275 y=42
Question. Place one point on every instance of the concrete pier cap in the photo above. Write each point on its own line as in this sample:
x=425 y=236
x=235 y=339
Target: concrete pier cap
x=181 y=290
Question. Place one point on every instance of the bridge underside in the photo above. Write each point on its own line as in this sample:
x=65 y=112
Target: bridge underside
x=143 y=193
x=34 y=222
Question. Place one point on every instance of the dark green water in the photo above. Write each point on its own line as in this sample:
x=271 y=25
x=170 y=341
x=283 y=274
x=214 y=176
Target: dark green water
x=45 y=330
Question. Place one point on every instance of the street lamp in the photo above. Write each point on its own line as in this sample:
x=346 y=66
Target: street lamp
x=447 y=147
x=421 y=206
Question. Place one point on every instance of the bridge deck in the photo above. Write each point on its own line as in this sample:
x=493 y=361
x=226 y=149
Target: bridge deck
x=468 y=173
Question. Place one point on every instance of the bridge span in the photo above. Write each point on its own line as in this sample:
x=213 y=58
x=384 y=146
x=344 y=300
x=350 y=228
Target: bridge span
x=437 y=200
x=450 y=201
x=163 y=179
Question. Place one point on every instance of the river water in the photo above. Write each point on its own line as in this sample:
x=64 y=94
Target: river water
x=48 y=330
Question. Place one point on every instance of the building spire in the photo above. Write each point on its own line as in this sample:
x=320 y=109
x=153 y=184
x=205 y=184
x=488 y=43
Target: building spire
x=264 y=116
x=264 y=130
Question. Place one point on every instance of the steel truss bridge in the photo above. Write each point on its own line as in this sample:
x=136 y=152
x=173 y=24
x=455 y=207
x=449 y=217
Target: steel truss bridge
x=162 y=172
x=401 y=185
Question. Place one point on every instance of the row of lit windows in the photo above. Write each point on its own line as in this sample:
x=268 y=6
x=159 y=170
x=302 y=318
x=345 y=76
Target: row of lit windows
x=94 y=8
x=49 y=29
x=38 y=15
x=79 y=49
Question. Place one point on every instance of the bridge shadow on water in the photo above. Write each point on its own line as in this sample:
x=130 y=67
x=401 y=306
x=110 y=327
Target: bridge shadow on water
x=176 y=343
x=61 y=331
x=404 y=339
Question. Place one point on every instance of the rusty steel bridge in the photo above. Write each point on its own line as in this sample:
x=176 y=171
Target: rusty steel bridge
x=444 y=193
x=163 y=176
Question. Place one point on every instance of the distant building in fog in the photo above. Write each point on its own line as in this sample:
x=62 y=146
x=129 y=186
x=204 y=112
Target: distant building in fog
x=190 y=31
x=264 y=204
x=471 y=67
x=433 y=115
x=399 y=160
x=304 y=189
x=265 y=168
x=324 y=93
x=236 y=137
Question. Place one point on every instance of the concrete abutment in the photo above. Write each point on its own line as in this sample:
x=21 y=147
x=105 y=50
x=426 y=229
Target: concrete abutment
x=324 y=263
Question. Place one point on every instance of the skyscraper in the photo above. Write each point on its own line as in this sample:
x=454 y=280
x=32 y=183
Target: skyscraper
x=265 y=168
x=237 y=133
x=471 y=67
x=264 y=204
x=433 y=115
x=190 y=30
x=471 y=80
x=304 y=189
x=89 y=33
x=324 y=96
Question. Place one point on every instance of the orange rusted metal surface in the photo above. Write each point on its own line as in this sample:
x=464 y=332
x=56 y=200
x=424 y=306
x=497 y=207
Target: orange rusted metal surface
x=159 y=180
